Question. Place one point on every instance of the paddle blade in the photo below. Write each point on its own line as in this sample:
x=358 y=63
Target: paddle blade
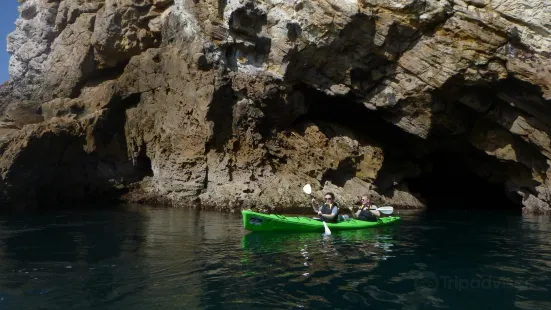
x=386 y=210
x=327 y=231
x=307 y=189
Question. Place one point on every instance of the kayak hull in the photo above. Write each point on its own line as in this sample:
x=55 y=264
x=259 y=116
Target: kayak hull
x=254 y=221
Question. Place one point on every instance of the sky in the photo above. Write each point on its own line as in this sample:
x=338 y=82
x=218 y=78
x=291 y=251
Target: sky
x=8 y=15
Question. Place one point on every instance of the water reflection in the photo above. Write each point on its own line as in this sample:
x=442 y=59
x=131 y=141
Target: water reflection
x=535 y=233
x=143 y=257
x=474 y=259
x=55 y=256
x=351 y=246
x=295 y=269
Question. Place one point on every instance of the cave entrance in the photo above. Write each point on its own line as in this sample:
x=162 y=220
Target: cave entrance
x=349 y=112
x=452 y=184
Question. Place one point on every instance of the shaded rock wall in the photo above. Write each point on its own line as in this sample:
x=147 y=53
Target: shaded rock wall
x=233 y=104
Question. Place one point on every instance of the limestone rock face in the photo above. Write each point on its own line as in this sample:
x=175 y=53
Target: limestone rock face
x=58 y=46
x=238 y=103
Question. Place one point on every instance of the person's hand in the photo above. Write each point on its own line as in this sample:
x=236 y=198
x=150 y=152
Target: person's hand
x=319 y=213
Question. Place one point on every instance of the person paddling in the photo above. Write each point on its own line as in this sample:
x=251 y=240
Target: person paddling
x=367 y=211
x=329 y=210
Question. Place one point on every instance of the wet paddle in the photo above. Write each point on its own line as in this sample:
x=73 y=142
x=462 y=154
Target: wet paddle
x=308 y=190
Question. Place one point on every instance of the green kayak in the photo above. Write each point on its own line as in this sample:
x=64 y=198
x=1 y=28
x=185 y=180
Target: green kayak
x=255 y=221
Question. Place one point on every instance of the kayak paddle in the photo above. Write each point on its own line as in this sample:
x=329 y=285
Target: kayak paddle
x=327 y=231
x=385 y=210
x=308 y=190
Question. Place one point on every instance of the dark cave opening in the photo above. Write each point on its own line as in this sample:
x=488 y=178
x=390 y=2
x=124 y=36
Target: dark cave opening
x=452 y=184
x=143 y=163
x=453 y=181
x=345 y=171
x=349 y=112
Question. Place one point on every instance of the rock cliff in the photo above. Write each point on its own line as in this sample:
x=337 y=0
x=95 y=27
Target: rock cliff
x=234 y=104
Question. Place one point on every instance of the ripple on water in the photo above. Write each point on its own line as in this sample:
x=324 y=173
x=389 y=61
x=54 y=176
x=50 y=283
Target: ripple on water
x=149 y=258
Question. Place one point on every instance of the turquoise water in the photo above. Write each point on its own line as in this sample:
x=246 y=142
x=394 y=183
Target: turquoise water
x=137 y=257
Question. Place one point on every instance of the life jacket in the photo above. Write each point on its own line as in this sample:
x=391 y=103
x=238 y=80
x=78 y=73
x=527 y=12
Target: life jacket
x=366 y=215
x=326 y=208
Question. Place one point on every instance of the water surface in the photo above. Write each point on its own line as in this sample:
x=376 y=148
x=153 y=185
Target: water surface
x=137 y=257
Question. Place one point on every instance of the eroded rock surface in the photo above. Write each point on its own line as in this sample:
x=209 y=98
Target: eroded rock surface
x=234 y=104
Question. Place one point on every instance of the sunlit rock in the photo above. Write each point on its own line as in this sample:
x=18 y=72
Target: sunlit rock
x=237 y=104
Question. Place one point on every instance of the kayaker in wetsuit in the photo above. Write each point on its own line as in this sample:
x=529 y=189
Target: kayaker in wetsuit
x=367 y=211
x=328 y=211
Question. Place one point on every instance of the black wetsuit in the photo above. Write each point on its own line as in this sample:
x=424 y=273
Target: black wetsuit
x=366 y=215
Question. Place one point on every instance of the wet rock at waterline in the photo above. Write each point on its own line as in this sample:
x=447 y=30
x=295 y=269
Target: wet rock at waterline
x=236 y=104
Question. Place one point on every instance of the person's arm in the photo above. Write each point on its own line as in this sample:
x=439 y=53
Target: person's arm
x=357 y=213
x=314 y=204
x=374 y=211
